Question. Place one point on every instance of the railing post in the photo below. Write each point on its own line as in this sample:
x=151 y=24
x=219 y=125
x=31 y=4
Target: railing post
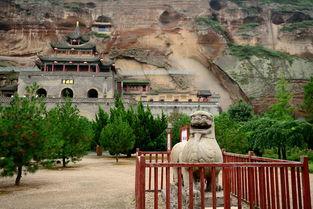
x=142 y=181
x=251 y=187
x=224 y=155
x=226 y=185
x=250 y=154
x=137 y=184
x=306 y=183
x=168 y=156
x=168 y=189
x=190 y=174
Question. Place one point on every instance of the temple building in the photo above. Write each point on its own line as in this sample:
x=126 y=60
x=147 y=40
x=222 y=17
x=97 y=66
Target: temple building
x=204 y=95
x=135 y=87
x=72 y=68
x=102 y=27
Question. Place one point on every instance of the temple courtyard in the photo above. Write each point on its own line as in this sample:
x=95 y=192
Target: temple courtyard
x=95 y=182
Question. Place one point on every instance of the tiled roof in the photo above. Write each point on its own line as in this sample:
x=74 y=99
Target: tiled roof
x=136 y=81
x=204 y=93
x=64 y=45
x=74 y=58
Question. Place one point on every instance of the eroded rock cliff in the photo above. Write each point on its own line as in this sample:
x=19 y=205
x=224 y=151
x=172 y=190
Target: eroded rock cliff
x=237 y=49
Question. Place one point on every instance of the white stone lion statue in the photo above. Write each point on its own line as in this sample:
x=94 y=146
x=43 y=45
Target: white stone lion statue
x=201 y=147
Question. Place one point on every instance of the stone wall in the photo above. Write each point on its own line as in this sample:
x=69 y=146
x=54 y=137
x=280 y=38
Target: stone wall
x=184 y=107
x=83 y=82
x=89 y=107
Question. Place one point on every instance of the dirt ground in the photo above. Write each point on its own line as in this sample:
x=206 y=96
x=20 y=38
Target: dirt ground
x=95 y=182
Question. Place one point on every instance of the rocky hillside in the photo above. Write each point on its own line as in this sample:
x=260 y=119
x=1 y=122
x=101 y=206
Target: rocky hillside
x=235 y=48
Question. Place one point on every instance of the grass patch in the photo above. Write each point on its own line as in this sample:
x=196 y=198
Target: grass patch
x=239 y=2
x=75 y=6
x=290 y=27
x=282 y=5
x=303 y=3
x=247 y=51
x=214 y=24
x=248 y=26
x=209 y=22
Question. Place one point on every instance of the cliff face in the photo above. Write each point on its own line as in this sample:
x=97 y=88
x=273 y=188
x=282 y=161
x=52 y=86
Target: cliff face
x=178 y=45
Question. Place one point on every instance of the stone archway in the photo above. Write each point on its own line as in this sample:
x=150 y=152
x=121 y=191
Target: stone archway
x=67 y=92
x=41 y=92
x=92 y=93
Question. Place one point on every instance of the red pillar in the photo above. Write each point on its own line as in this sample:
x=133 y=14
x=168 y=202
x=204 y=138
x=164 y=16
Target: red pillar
x=52 y=67
x=63 y=67
x=77 y=67
x=97 y=68
x=88 y=68
x=45 y=67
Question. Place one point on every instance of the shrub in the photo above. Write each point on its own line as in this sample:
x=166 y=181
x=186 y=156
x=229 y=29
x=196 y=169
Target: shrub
x=290 y=27
x=247 y=51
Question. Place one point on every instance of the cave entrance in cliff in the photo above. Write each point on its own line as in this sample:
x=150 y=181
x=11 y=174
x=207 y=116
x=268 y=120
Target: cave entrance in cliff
x=41 y=92
x=67 y=92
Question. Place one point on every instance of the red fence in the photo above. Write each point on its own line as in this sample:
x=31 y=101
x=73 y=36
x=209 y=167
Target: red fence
x=253 y=181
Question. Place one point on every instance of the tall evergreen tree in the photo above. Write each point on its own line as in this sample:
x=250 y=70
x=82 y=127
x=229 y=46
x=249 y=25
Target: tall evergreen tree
x=101 y=120
x=117 y=137
x=22 y=136
x=71 y=134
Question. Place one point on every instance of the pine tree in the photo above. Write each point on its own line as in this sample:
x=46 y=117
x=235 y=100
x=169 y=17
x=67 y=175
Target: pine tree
x=22 y=136
x=71 y=134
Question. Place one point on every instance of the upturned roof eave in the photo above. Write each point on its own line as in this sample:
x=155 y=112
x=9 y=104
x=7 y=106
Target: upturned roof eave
x=87 y=46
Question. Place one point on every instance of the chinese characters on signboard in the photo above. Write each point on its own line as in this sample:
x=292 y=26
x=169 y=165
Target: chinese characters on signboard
x=67 y=81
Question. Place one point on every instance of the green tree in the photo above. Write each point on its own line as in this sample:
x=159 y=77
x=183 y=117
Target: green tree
x=240 y=111
x=282 y=109
x=22 y=136
x=265 y=132
x=71 y=134
x=229 y=134
x=255 y=131
x=150 y=130
x=277 y=128
x=117 y=137
x=101 y=120
x=308 y=100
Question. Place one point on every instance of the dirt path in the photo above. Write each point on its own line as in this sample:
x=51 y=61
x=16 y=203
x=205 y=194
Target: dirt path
x=92 y=183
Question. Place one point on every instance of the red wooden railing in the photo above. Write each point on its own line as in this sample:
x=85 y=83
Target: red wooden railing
x=257 y=182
